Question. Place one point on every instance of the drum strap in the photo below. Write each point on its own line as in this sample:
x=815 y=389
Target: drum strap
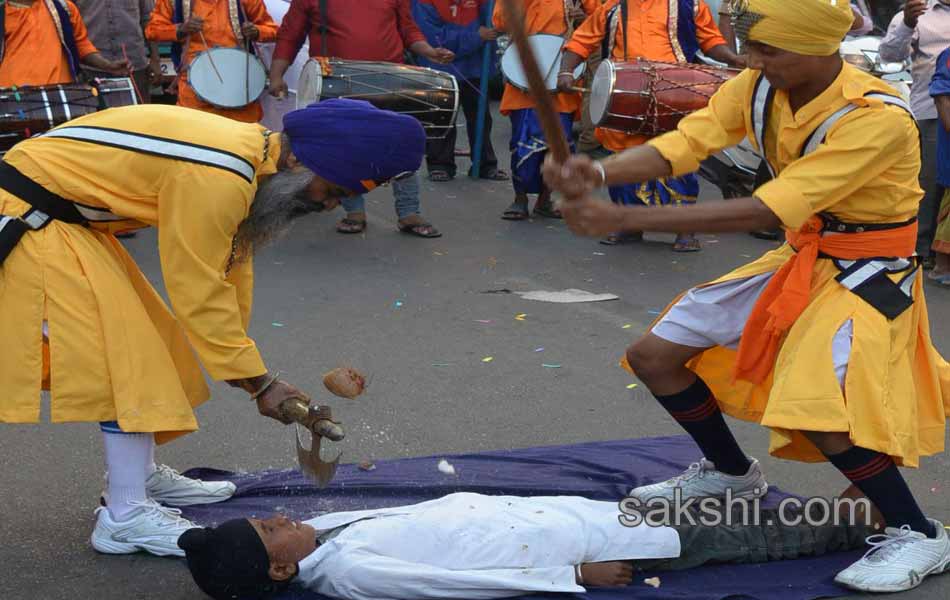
x=616 y=18
x=324 y=26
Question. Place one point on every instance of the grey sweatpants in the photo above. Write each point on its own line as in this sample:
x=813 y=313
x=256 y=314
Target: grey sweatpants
x=740 y=543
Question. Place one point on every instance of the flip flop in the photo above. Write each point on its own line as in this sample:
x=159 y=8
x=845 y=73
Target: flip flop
x=515 y=212
x=440 y=176
x=620 y=239
x=350 y=226
x=687 y=244
x=546 y=210
x=419 y=230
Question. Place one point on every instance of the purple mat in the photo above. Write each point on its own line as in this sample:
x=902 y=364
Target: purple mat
x=598 y=470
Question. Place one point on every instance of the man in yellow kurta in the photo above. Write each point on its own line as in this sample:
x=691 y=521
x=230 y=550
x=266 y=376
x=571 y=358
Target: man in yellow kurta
x=220 y=23
x=823 y=341
x=71 y=297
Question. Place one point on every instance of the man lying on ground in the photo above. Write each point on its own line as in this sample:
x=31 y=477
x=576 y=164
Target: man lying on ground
x=473 y=546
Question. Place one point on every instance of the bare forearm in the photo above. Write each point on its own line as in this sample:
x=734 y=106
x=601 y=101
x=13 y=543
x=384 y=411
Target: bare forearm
x=278 y=67
x=636 y=165
x=97 y=61
x=724 y=54
x=737 y=215
x=421 y=48
x=569 y=61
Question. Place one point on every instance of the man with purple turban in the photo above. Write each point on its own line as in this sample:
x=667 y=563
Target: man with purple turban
x=84 y=322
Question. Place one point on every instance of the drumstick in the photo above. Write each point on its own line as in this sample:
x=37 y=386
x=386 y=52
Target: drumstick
x=582 y=90
x=247 y=70
x=210 y=58
x=135 y=85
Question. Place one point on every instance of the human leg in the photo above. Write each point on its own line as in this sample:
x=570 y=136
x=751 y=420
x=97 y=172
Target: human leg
x=355 y=219
x=440 y=156
x=469 y=99
x=929 y=205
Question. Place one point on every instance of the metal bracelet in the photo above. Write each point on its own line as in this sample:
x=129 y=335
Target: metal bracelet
x=264 y=387
x=603 y=172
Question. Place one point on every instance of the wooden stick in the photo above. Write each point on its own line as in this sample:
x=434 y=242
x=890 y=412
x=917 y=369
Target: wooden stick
x=544 y=105
x=210 y=58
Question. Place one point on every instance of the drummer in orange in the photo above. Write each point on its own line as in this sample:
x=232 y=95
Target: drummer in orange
x=528 y=146
x=221 y=23
x=653 y=32
x=44 y=42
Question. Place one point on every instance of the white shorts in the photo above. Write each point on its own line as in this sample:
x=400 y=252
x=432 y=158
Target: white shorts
x=715 y=315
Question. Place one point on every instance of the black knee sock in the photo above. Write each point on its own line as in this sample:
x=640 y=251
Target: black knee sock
x=877 y=476
x=696 y=410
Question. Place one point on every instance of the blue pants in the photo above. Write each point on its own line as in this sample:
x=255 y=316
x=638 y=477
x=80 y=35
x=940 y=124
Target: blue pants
x=528 y=149
x=405 y=192
x=658 y=192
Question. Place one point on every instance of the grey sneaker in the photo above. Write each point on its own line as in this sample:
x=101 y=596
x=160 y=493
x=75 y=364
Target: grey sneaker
x=150 y=528
x=702 y=480
x=168 y=486
x=899 y=560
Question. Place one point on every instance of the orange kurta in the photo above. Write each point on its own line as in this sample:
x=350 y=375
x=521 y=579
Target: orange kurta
x=217 y=31
x=647 y=37
x=34 y=54
x=541 y=16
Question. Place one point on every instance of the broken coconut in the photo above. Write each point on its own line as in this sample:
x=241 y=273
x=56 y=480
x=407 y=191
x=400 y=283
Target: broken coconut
x=654 y=581
x=345 y=382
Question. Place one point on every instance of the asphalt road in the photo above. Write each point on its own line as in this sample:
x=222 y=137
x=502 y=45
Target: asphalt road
x=394 y=306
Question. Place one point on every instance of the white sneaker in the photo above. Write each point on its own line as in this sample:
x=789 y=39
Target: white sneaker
x=898 y=560
x=150 y=528
x=168 y=486
x=702 y=480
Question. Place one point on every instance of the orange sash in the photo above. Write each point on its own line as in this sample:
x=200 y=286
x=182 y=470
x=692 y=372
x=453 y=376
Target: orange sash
x=789 y=291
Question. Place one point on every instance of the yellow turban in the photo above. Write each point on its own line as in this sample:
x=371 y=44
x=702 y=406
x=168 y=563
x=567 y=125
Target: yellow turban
x=809 y=27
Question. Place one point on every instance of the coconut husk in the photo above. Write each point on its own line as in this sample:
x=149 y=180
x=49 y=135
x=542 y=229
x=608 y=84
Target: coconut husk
x=345 y=382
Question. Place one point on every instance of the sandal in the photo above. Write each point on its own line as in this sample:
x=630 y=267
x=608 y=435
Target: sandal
x=440 y=176
x=348 y=226
x=620 y=239
x=515 y=212
x=496 y=175
x=423 y=230
x=687 y=244
x=547 y=210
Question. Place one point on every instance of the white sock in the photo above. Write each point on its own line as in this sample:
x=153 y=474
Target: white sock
x=150 y=467
x=127 y=455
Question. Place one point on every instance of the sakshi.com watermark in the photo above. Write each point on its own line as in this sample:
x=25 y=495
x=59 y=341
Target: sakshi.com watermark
x=730 y=510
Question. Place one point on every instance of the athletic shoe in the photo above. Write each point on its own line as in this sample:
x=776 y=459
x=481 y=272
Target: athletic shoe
x=899 y=559
x=168 y=486
x=151 y=528
x=702 y=480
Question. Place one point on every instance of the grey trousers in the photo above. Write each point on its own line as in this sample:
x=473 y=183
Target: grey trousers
x=930 y=205
x=739 y=543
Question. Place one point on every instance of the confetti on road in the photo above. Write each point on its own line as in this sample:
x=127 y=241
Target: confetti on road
x=652 y=581
x=541 y=349
x=276 y=324
x=439 y=253
x=488 y=359
x=484 y=321
x=397 y=304
x=520 y=316
x=446 y=467
x=632 y=386
x=653 y=312
x=599 y=254
x=627 y=326
x=367 y=466
x=547 y=366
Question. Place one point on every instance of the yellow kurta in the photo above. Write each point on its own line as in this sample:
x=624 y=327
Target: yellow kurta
x=116 y=351
x=897 y=391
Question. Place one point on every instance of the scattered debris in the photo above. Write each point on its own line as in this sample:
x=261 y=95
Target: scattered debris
x=627 y=326
x=488 y=359
x=366 y=466
x=547 y=366
x=521 y=316
x=485 y=321
x=569 y=296
x=632 y=386
x=397 y=304
x=345 y=382
x=599 y=254
x=654 y=312
x=540 y=349
x=446 y=467
x=652 y=581
x=441 y=364
x=276 y=324
x=499 y=291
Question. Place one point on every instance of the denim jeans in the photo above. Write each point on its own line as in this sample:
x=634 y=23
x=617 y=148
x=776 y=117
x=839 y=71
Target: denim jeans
x=405 y=192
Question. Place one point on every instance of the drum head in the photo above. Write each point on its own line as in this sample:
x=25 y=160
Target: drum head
x=227 y=77
x=547 y=49
x=600 y=91
x=310 y=84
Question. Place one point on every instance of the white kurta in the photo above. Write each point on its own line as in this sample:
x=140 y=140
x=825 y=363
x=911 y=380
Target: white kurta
x=274 y=109
x=473 y=546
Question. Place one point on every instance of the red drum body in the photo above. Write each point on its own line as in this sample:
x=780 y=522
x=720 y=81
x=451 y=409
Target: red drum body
x=27 y=111
x=650 y=98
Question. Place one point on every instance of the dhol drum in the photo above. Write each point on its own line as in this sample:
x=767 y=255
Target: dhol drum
x=430 y=96
x=27 y=111
x=227 y=77
x=649 y=98
x=548 y=50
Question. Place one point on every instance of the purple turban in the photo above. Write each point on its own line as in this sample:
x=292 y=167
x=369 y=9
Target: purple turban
x=353 y=144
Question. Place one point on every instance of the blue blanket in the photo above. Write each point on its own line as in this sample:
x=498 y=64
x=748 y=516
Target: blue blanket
x=599 y=470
